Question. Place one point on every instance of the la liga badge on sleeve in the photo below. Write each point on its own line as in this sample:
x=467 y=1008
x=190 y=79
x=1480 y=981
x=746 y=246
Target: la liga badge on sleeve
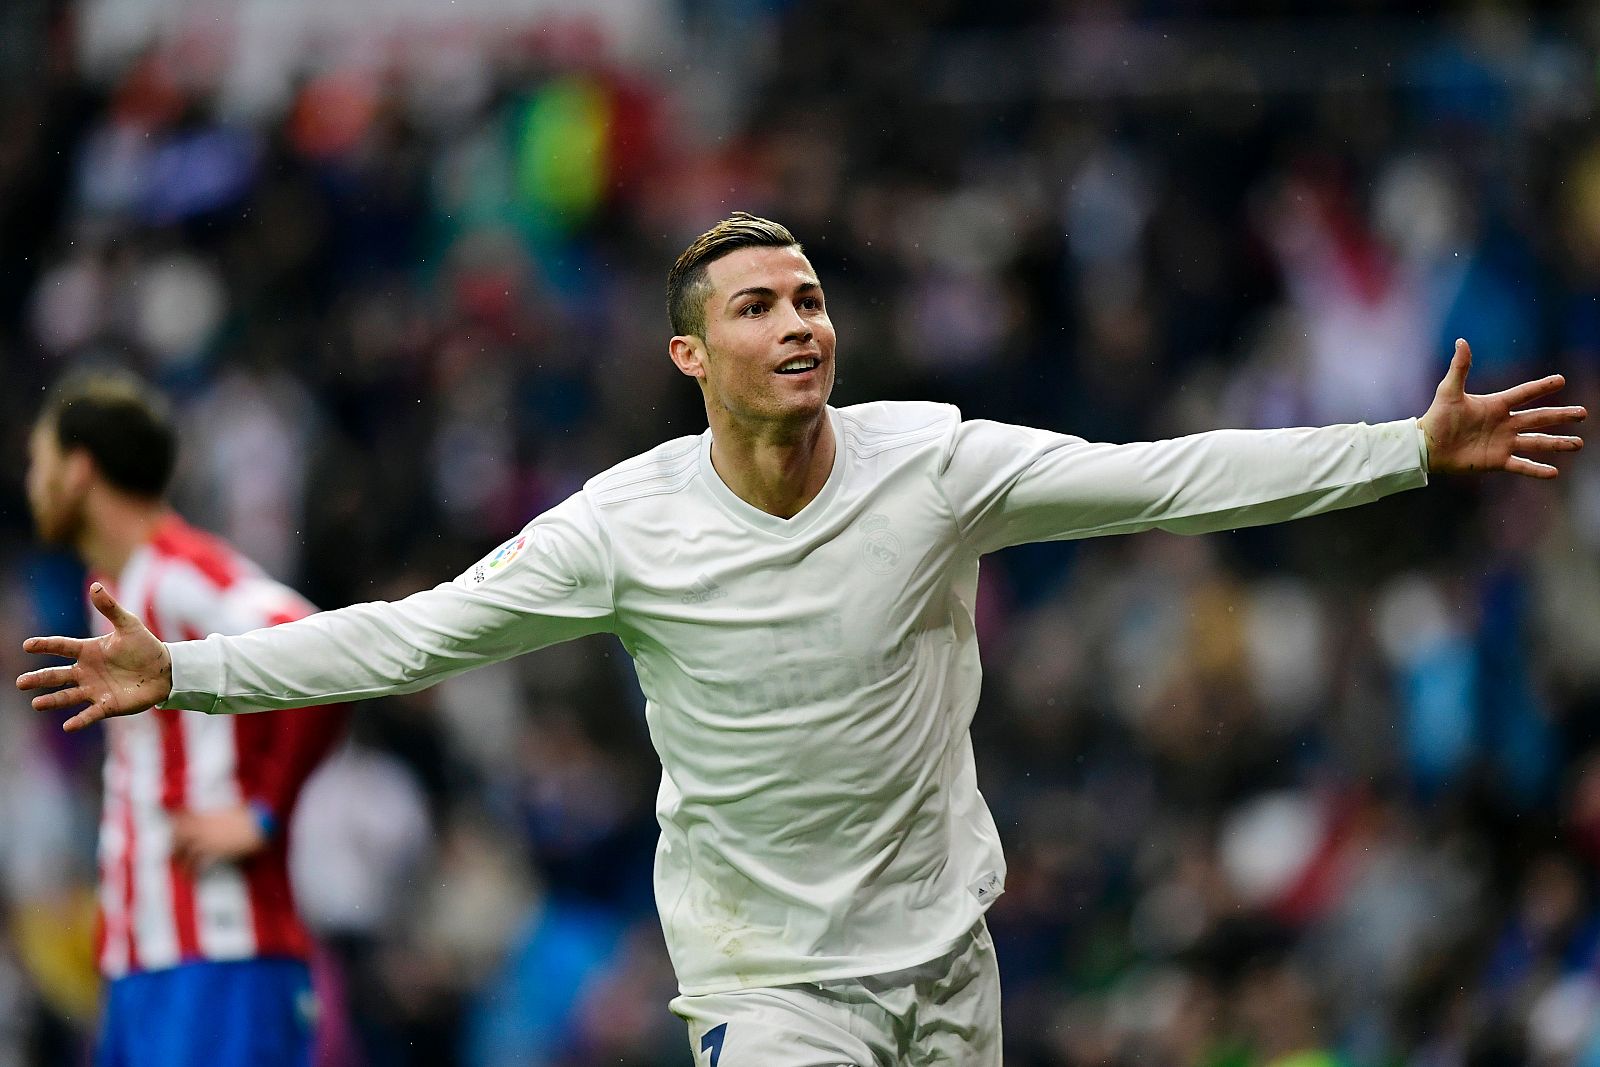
x=507 y=552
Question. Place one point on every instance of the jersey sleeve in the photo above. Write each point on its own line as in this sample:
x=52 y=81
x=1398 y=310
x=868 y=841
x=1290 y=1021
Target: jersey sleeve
x=284 y=747
x=1011 y=484
x=550 y=583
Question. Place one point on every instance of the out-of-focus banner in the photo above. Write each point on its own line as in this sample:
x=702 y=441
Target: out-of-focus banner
x=252 y=51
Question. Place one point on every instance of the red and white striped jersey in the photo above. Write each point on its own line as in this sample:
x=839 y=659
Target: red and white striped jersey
x=154 y=912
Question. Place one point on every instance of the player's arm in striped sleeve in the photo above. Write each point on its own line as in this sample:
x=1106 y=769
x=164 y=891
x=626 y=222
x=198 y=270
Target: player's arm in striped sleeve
x=286 y=748
x=276 y=752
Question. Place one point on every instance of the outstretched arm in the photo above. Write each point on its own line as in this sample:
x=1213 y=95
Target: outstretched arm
x=550 y=583
x=1009 y=484
x=126 y=671
x=1469 y=433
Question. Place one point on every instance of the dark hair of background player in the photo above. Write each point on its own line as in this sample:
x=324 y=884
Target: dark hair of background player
x=124 y=425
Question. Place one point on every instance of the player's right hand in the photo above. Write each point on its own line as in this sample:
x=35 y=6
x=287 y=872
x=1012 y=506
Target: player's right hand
x=122 y=673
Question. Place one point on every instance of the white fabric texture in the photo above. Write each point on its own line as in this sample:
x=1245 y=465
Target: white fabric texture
x=944 y=1012
x=810 y=681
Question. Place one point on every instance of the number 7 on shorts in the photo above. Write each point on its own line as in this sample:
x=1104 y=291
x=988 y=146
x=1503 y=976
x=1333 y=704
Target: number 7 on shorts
x=713 y=1041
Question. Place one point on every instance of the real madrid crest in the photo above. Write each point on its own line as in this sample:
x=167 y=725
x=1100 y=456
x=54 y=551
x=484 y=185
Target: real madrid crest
x=881 y=549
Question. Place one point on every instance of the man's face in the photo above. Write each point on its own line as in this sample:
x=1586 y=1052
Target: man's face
x=764 y=313
x=56 y=487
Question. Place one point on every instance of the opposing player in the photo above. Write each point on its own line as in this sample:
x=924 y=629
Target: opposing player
x=796 y=588
x=198 y=936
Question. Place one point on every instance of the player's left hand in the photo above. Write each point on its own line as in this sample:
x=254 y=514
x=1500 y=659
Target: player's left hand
x=201 y=838
x=1473 y=433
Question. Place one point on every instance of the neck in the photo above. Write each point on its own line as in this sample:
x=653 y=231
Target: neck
x=115 y=526
x=778 y=472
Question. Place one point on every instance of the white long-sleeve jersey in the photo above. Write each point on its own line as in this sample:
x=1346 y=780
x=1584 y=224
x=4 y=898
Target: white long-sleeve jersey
x=810 y=681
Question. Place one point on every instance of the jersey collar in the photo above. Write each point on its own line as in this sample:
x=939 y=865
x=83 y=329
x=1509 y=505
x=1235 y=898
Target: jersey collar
x=761 y=520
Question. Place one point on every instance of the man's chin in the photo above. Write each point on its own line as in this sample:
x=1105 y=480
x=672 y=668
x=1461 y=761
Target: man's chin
x=795 y=411
x=807 y=402
x=799 y=410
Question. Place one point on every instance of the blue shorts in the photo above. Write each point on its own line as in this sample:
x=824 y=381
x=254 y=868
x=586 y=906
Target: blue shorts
x=249 y=1013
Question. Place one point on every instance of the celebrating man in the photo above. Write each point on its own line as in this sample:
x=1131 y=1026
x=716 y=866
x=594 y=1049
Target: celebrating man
x=796 y=588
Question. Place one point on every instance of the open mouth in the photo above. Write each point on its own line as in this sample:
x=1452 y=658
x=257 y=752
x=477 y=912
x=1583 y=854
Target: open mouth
x=800 y=365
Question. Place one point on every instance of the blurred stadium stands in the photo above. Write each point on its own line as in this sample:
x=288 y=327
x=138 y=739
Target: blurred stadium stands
x=1325 y=794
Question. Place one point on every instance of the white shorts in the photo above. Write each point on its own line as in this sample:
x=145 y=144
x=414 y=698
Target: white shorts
x=946 y=1011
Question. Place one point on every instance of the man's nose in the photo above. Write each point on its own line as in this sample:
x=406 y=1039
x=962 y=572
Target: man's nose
x=797 y=329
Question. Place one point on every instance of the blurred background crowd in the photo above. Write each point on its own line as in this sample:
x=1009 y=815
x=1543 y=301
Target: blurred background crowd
x=1314 y=795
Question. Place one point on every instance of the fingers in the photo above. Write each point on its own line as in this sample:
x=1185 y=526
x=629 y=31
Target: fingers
x=85 y=718
x=54 y=646
x=1518 y=465
x=190 y=844
x=47 y=678
x=1537 y=417
x=1455 y=379
x=1540 y=443
x=107 y=605
x=183 y=843
x=61 y=699
x=1547 y=442
x=1518 y=395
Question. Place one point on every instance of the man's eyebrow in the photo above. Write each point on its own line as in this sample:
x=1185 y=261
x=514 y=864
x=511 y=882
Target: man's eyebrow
x=752 y=290
x=761 y=290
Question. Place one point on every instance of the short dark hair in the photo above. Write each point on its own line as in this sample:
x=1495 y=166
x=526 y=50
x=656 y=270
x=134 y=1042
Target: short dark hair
x=123 y=423
x=687 y=287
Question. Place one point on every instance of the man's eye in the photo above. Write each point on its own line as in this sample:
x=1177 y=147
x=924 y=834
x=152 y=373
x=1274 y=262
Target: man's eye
x=753 y=310
x=811 y=303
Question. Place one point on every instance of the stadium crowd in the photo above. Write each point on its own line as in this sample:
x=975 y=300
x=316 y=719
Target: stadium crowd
x=1303 y=796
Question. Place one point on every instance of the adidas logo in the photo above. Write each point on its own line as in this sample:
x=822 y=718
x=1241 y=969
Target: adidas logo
x=988 y=887
x=704 y=589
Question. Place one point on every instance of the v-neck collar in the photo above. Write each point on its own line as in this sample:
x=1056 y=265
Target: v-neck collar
x=746 y=512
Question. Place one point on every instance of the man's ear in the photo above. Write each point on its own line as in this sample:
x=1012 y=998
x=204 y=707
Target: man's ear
x=78 y=469
x=688 y=355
